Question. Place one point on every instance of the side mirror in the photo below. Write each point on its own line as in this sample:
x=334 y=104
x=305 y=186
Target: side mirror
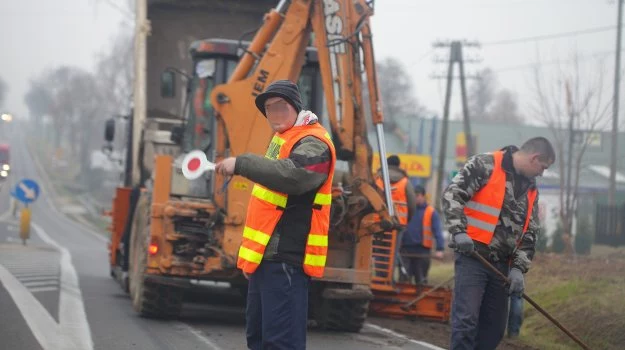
x=177 y=133
x=109 y=130
x=168 y=84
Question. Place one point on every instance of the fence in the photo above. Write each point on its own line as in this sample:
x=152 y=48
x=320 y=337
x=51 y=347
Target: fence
x=610 y=225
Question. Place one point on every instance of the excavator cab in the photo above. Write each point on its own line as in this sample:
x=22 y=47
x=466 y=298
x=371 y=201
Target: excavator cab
x=214 y=60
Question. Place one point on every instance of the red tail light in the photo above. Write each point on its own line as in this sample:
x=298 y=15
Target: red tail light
x=153 y=249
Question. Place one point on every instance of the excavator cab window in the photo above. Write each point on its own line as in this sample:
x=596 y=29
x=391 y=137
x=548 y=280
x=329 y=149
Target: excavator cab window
x=209 y=70
x=212 y=67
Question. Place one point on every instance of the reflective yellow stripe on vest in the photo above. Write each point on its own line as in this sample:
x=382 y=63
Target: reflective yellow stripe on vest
x=323 y=199
x=318 y=240
x=315 y=260
x=250 y=255
x=256 y=236
x=269 y=196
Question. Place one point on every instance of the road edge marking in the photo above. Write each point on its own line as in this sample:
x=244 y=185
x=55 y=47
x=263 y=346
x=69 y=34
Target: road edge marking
x=73 y=322
x=402 y=336
x=42 y=325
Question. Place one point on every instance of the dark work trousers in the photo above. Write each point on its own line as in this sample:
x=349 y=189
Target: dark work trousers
x=417 y=267
x=277 y=307
x=480 y=305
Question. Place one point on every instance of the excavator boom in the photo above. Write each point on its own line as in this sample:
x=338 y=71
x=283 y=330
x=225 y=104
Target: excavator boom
x=342 y=38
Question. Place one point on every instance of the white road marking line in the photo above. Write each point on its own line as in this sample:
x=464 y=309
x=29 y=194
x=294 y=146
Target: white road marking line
x=74 y=326
x=40 y=283
x=37 y=278
x=30 y=274
x=401 y=336
x=43 y=289
x=199 y=335
x=43 y=326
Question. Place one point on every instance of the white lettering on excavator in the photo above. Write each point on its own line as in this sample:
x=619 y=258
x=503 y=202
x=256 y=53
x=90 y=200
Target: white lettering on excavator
x=334 y=26
x=261 y=80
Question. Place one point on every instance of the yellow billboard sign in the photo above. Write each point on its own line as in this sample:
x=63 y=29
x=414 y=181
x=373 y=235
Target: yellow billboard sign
x=415 y=165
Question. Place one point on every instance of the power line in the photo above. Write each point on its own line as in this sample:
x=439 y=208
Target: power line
x=532 y=65
x=422 y=57
x=119 y=8
x=550 y=36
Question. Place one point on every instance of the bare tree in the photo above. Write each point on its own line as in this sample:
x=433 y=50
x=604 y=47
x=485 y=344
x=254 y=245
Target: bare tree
x=115 y=74
x=577 y=96
x=38 y=101
x=72 y=99
x=505 y=108
x=490 y=103
x=399 y=101
x=482 y=93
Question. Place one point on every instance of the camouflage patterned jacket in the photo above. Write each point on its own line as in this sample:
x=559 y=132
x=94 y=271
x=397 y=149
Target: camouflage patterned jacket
x=469 y=180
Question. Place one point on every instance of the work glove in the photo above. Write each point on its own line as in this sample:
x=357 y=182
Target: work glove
x=517 y=283
x=462 y=243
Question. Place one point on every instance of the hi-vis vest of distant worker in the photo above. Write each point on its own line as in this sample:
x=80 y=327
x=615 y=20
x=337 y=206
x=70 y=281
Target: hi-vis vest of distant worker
x=482 y=211
x=427 y=226
x=400 y=202
x=266 y=208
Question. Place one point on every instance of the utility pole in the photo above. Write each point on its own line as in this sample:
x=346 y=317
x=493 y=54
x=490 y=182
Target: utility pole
x=569 y=168
x=617 y=74
x=142 y=28
x=455 y=56
x=465 y=105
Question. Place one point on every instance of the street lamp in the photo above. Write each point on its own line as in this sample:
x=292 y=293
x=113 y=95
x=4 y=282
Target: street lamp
x=7 y=117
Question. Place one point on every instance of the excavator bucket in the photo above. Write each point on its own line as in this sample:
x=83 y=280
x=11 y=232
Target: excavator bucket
x=432 y=303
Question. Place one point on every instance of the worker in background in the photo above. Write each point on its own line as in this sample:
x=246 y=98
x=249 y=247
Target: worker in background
x=491 y=208
x=285 y=239
x=404 y=202
x=416 y=243
x=402 y=191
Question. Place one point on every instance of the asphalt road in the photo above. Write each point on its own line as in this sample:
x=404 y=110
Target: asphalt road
x=56 y=291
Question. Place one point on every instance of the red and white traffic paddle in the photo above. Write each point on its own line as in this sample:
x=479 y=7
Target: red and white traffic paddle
x=195 y=164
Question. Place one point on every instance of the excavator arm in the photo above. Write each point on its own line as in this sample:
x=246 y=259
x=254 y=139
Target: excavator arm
x=343 y=40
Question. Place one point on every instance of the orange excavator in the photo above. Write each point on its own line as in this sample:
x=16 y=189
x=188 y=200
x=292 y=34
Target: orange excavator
x=168 y=231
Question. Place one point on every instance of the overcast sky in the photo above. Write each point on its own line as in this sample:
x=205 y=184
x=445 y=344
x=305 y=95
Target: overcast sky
x=40 y=34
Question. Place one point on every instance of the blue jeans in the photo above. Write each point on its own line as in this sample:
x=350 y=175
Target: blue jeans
x=480 y=305
x=515 y=317
x=277 y=307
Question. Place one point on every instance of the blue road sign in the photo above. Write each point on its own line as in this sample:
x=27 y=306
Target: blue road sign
x=26 y=191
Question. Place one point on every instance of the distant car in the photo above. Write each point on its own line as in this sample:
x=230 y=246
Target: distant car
x=5 y=161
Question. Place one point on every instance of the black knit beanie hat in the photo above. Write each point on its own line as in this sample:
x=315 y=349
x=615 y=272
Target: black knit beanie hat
x=280 y=88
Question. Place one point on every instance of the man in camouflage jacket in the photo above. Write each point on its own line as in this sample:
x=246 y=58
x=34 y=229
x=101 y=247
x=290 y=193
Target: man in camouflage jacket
x=479 y=310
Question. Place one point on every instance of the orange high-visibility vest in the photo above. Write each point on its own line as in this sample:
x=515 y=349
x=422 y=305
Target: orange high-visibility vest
x=427 y=226
x=266 y=207
x=482 y=211
x=400 y=202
